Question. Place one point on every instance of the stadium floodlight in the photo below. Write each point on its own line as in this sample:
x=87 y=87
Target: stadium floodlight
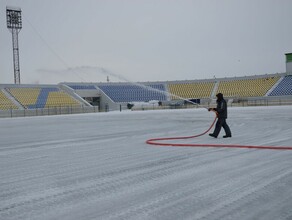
x=14 y=24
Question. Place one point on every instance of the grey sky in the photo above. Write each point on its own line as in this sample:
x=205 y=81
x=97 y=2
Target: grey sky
x=146 y=40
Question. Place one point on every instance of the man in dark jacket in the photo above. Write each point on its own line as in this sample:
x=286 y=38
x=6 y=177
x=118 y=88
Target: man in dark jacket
x=221 y=111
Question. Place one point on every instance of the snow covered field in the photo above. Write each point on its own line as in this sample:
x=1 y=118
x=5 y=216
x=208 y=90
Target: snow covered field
x=97 y=166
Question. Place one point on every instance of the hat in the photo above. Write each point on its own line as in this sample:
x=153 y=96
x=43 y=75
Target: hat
x=219 y=96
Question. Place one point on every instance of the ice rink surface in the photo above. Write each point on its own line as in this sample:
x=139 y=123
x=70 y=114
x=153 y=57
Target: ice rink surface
x=97 y=166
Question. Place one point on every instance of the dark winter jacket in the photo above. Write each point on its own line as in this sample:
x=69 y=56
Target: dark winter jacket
x=221 y=106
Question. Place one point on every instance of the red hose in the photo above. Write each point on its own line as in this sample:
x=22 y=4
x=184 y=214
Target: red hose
x=153 y=141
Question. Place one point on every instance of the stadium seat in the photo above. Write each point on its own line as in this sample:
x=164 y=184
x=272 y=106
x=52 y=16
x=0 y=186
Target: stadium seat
x=42 y=97
x=284 y=87
x=6 y=103
x=133 y=92
x=247 y=87
x=191 y=90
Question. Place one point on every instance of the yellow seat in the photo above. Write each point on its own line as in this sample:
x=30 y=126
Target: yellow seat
x=60 y=99
x=6 y=103
x=191 y=90
x=25 y=96
x=247 y=87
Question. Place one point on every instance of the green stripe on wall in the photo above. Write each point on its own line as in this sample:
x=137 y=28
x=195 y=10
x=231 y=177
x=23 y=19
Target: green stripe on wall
x=288 y=57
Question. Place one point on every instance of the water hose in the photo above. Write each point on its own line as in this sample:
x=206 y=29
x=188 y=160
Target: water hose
x=155 y=141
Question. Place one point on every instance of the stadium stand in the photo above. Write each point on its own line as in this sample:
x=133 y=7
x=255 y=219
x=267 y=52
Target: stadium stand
x=255 y=87
x=31 y=98
x=283 y=88
x=107 y=96
x=191 y=90
x=120 y=92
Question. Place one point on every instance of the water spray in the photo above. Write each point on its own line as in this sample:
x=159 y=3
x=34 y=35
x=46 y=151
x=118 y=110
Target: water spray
x=122 y=78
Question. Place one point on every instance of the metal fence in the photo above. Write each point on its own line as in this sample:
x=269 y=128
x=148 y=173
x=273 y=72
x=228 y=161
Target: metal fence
x=11 y=113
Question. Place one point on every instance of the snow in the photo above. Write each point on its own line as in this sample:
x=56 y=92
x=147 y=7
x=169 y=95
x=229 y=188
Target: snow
x=98 y=166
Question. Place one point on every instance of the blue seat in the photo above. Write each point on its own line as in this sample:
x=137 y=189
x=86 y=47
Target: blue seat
x=284 y=87
x=132 y=93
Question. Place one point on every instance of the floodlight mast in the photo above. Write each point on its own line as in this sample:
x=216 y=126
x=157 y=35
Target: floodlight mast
x=14 y=24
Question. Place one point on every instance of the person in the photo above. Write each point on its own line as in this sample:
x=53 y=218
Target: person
x=221 y=112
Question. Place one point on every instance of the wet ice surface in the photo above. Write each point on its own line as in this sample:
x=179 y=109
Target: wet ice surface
x=97 y=166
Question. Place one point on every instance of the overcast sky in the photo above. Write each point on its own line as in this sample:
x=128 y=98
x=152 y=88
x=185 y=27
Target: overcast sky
x=146 y=40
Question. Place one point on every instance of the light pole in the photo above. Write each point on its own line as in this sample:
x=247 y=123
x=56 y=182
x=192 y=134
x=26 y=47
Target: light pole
x=14 y=24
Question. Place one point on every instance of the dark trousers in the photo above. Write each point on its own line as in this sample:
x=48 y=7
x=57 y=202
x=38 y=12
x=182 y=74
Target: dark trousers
x=221 y=122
